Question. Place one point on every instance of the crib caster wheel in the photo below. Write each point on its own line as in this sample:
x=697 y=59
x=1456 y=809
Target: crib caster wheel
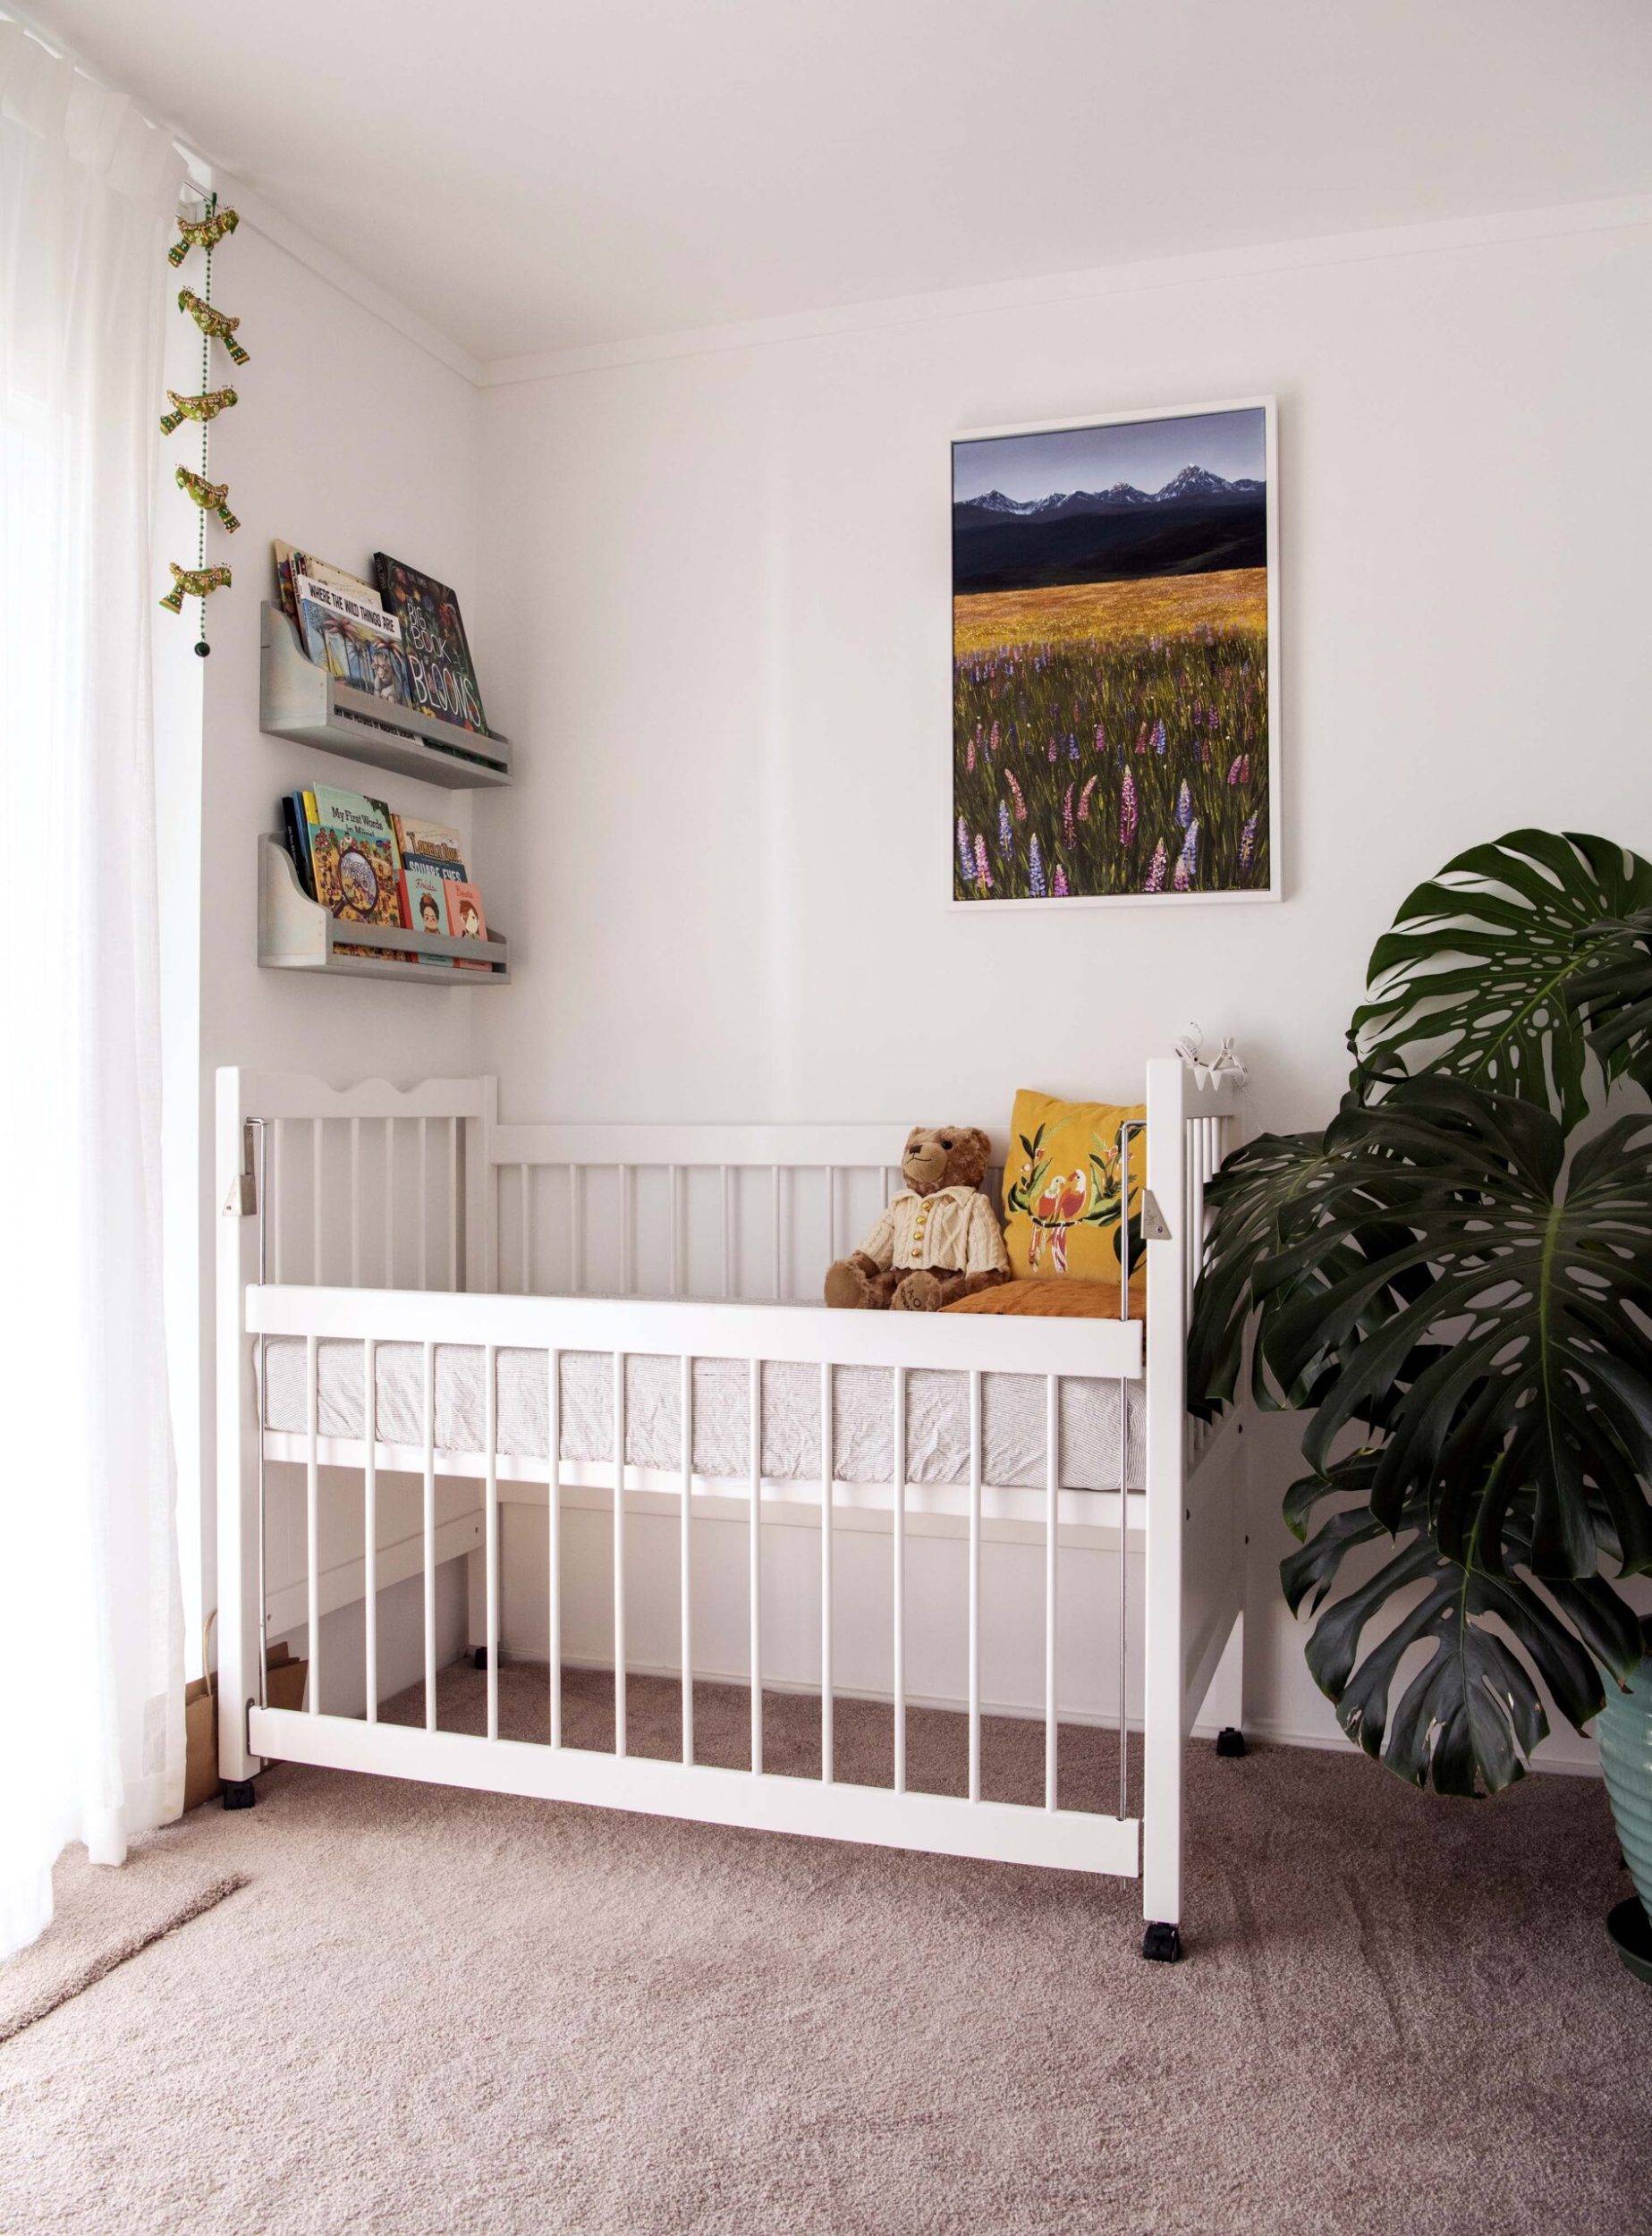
x=1162 y=1944
x=1230 y=1741
x=478 y=1657
x=239 y=1793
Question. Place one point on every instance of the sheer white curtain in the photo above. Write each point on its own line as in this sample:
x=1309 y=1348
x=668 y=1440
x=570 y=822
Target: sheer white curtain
x=91 y=1738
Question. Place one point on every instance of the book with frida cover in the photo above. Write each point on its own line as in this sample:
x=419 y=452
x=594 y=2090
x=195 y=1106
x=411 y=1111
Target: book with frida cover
x=424 y=907
x=464 y=916
x=353 y=862
x=441 y=674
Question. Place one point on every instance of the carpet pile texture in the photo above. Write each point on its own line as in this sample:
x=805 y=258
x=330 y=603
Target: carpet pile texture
x=430 y=2011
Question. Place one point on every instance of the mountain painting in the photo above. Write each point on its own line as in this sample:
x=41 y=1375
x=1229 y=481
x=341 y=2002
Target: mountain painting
x=1112 y=619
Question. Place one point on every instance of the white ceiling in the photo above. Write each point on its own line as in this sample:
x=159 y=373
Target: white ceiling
x=537 y=175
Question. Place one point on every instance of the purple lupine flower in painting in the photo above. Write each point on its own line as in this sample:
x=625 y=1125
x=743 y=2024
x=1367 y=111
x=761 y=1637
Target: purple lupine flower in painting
x=1204 y=753
x=1054 y=748
x=1015 y=794
x=1084 y=800
x=1005 y=837
x=1101 y=738
x=983 y=875
x=1214 y=717
x=970 y=758
x=992 y=742
x=1141 y=739
x=1187 y=861
x=1184 y=805
x=1035 y=869
x=1158 y=735
x=1067 y=818
x=1128 y=812
x=1073 y=747
x=966 y=853
x=1059 y=889
x=1247 y=845
x=1239 y=773
x=1157 y=870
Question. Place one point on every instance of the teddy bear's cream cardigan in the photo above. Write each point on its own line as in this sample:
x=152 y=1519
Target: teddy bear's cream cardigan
x=955 y=1230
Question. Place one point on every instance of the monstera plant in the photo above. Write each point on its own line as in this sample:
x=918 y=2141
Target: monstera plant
x=1455 y=1281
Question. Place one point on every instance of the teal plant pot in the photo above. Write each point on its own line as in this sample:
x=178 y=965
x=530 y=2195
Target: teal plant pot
x=1623 y=1729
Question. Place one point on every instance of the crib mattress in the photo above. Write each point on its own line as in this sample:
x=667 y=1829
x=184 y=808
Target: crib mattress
x=938 y=1414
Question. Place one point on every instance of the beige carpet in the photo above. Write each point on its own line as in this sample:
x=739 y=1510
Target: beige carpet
x=101 y=1918
x=435 y=2011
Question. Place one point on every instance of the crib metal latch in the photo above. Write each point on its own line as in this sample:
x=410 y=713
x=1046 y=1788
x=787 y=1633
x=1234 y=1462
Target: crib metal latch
x=1154 y=1225
x=242 y=1201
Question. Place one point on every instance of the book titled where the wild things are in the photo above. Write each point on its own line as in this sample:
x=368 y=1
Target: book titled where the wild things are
x=1113 y=735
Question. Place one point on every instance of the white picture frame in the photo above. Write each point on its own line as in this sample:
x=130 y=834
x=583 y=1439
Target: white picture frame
x=1270 y=818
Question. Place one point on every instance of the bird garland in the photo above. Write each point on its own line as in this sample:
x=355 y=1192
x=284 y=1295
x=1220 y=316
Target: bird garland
x=204 y=234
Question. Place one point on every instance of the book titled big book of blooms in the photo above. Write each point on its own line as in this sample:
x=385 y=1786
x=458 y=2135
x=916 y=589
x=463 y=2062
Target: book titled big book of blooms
x=353 y=861
x=441 y=676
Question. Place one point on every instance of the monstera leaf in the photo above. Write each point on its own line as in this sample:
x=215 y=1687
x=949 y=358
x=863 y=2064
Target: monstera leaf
x=1611 y=997
x=1494 y=1325
x=1470 y=1715
x=1478 y=976
x=1266 y=1194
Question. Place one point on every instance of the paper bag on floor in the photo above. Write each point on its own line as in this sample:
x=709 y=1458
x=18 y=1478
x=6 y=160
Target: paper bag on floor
x=284 y=1683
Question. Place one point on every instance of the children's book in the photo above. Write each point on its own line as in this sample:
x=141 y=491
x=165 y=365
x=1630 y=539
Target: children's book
x=424 y=908
x=464 y=916
x=290 y=562
x=439 y=842
x=298 y=838
x=359 y=644
x=442 y=676
x=353 y=861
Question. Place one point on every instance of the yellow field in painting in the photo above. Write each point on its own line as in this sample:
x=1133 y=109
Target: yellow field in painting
x=1088 y=612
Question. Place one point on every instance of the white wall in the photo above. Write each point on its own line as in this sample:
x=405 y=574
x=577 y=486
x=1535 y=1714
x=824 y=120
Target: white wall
x=716 y=584
x=349 y=436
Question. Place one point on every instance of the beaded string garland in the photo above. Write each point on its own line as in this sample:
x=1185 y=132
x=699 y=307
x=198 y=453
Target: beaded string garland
x=204 y=234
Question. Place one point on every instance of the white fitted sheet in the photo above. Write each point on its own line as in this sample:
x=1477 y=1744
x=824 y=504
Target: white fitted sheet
x=938 y=1414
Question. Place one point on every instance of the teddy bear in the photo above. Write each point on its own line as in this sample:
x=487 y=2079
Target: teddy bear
x=938 y=1240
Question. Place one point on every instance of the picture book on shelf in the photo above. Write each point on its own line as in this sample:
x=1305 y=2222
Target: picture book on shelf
x=297 y=829
x=438 y=840
x=354 y=867
x=424 y=907
x=441 y=674
x=357 y=643
x=290 y=563
x=465 y=920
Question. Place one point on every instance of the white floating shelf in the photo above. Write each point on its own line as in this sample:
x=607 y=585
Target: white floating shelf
x=301 y=702
x=296 y=933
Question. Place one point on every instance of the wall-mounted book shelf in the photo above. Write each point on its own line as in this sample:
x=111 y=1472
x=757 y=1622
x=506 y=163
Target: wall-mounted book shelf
x=299 y=701
x=295 y=932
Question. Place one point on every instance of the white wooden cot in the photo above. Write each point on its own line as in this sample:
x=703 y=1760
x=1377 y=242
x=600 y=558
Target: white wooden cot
x=427 y=1194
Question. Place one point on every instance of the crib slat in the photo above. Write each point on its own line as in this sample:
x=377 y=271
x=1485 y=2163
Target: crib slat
x=619 y=1553
x=429 y=1532
x=728 y=1236
x=627 y=1275
x=424 y=1204
x=390 y=1203
x=526 y=1224
x=755 y=1552
x=676 y=1235
x=826 y=1575
x=975 y=1584
x=1052 y=1496
x=899 y=1536
x=272 y=1200
x=453 y=1280
x=316 y=1126
x=576 y=1230
x=490 y=1431
x=774 y=1179
x=370 y=1523
x=312 y=1521
x=685 y=1415
x=553 y=1446
x=355 y=1203
x=831 y=1214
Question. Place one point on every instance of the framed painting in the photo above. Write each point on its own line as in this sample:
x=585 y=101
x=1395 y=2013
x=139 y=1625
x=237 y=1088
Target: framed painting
x=1116 y=660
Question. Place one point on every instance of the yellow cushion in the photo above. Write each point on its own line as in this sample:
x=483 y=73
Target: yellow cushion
x=1067 y=1300
x=1062 y=1189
